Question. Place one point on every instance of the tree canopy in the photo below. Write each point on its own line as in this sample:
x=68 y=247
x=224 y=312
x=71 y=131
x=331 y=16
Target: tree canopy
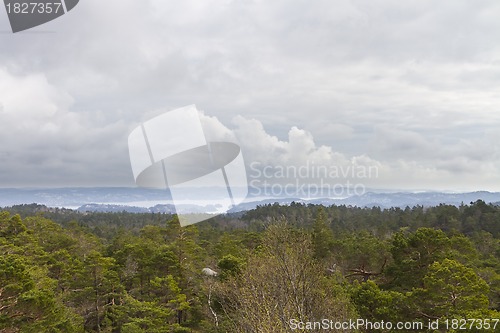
x=64 y=271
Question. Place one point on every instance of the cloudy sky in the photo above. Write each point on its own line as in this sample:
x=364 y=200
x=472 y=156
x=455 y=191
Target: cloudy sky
x=410 y=87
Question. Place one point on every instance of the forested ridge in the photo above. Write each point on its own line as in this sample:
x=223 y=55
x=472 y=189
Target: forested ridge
x=64 y=271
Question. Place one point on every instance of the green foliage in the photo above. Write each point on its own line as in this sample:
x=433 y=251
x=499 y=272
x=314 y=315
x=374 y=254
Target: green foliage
x=132 y=315
x=377 y=304
x=322 y=235
x=451 y=290
x=413 y=253
x=28 y=304
x=123 y=272
x=361 y=255
x=230 y=266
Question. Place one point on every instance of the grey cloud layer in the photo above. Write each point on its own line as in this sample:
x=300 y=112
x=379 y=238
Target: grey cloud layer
x=411 y=85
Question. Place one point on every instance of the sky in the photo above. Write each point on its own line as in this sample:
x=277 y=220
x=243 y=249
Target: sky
x=410 y=89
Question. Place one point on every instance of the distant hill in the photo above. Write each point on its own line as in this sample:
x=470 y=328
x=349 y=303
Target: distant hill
x=139 y=200
x=387 y=200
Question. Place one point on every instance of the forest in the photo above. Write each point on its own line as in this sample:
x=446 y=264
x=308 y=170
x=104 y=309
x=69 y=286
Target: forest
x=266 y=270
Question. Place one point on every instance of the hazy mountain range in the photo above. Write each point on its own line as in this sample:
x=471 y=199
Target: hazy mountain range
x=142 y=200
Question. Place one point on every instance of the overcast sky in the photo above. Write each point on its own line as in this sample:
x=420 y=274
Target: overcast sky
x=411 y=87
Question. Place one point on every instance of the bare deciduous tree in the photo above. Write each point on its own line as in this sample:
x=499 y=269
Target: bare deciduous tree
x=279 y=284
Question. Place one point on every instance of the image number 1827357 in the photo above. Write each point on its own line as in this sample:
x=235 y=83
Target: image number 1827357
x=24 y=15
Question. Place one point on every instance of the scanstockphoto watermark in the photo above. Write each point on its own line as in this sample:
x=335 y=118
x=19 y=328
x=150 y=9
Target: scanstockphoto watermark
x=310 y=179
x=455 y=324
x=174 y=151
x=354 y=325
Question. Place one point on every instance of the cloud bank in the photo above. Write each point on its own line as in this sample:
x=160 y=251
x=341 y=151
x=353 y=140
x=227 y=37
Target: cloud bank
x=411 y=87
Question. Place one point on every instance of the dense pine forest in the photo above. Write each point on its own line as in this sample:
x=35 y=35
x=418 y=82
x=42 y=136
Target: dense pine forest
x=268 y=270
